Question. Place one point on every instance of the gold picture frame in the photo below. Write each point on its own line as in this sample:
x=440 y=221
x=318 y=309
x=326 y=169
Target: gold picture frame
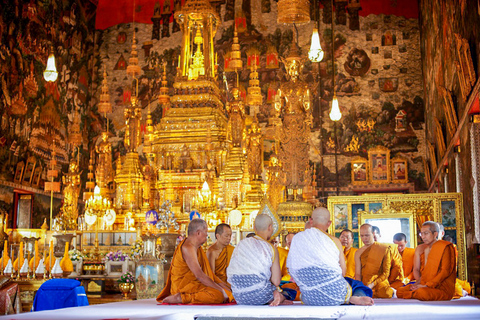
x=17 y=178
x=29 y=169
x=359 y=171
x=379 y=165
x=399 y=170
x=450 y=113
x=432 y=157
x=445 y=208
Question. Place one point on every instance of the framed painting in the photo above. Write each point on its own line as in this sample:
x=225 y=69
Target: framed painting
x=359 y=171
x=340 y=212
x=399 y=170
x=29 y=169
x=36 y=176
x=19 y=172
x=379 y=165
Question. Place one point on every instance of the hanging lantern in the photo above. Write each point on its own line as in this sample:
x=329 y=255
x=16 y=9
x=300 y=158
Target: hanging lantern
x=316 y=53
x=335 y=113
x=50 y=74
x=293 y=11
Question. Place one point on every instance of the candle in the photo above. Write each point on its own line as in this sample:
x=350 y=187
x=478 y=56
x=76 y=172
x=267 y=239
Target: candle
x=50 y=255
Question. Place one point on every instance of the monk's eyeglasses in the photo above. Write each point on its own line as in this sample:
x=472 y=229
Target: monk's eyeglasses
x=425 y=233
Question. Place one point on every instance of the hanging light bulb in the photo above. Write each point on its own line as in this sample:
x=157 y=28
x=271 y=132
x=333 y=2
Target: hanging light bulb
x=316 y=52
x=50 y=74
x=335 y=113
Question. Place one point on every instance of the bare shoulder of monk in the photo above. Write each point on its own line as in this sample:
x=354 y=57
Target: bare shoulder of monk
x=213 y=252
x=360 y=251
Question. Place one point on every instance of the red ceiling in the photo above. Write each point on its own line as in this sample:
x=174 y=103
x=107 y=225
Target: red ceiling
x=113 y=12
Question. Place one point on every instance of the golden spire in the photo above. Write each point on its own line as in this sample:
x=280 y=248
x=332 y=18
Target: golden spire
x=133 y=69
x=104 y=106
x=254 y=97
x=163 y=97
x=236 y=63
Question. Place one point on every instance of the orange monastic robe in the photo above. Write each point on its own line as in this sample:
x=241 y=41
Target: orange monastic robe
x=376 y=263
x=350 y=262
x=222 y=262
x=181 y=280
x=396 y=271
x=438 y=273
x=282 y=257
x=407 y=260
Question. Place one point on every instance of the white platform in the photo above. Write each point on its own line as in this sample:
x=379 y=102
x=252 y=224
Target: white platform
x=465 y=308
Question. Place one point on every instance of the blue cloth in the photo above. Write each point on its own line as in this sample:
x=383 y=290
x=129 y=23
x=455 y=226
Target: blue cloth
x=59 y=293
x=262 y=294
x=358 y=288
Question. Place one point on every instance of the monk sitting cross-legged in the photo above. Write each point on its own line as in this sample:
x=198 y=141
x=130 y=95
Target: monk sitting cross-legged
x=220 y=252
x=190 y=279
x=254 y=270
x=317 y=264
x=373 y=263
x=434 y=268
x=400 y=239
x=346 y=238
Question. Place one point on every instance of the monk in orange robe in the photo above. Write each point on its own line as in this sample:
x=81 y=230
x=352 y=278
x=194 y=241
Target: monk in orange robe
x=462 y=287
x=400 y=239
x=434 y=268
x=346 y=238
x=190 y=279
x=220 y=252
x=373 y=263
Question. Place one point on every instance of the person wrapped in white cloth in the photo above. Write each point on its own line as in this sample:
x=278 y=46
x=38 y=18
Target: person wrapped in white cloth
x=317 y=264
x=254 y=270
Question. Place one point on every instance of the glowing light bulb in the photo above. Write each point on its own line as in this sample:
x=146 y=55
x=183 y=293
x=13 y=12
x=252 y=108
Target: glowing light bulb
x=316 y=53
x=335 y=113
x=50 y=74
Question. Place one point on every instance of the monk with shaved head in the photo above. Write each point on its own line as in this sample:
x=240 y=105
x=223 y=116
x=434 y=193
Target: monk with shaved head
x=190 y=279
x=254 y=271
x=220 y=252
x=373 y=263
x=316 y=263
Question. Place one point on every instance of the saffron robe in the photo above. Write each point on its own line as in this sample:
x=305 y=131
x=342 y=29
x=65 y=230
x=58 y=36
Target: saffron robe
x=282 y=257
x=350 y=262
x=222 y=262
x=438 y=274
x=407 y=260
x=181 y=280
x=396 y=271
x=376 y=263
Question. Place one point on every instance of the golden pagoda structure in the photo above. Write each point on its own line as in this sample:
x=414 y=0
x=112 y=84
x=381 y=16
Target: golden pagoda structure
x=191 y=139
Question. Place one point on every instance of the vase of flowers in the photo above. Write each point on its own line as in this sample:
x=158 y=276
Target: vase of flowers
x=148 y=269
x=116 y=263
x=76 y=256
x=126 y=282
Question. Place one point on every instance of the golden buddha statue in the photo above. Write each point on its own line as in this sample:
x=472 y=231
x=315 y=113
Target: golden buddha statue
x=254 y=150
x=71 y=192
x=133 y=117
x=104 y=170
x=236 y=121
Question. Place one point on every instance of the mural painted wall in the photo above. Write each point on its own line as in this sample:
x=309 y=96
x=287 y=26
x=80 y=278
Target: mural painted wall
x=37 y=117
x=377 y=67
x=443 y=25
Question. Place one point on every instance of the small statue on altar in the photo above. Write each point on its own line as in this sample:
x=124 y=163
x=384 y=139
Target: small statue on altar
x=104 y=170
x=133 y=117
x=255 y=150
x=236 y=120
x=71 y=192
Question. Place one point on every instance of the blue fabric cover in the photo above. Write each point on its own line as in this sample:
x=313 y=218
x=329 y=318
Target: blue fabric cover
x=358 y=285
x=59 y=293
